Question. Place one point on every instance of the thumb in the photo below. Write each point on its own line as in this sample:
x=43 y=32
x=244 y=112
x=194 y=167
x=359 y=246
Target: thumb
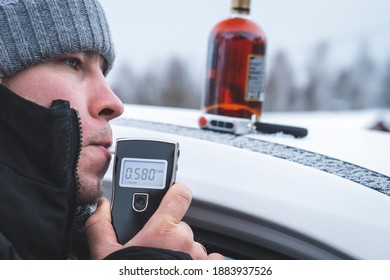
x=165 y=229
x=175 y=203
x=100 y=232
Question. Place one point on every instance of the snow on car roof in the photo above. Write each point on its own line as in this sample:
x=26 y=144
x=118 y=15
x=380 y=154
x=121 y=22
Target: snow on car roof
x=338 y=142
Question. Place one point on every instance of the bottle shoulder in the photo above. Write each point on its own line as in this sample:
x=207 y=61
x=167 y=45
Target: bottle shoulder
x=241 y=24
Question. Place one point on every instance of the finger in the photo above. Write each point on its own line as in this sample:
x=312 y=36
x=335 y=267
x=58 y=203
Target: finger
x=103 y=209
x=100 y=233
x=199 y=252
x=215 y=256
x=175 y=203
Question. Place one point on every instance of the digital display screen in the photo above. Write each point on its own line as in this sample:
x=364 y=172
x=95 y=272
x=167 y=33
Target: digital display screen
x=143 y=173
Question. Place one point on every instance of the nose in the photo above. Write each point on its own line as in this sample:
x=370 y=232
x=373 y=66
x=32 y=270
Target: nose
x=106 y=103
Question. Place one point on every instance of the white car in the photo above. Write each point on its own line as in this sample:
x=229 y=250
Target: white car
x=257 y=196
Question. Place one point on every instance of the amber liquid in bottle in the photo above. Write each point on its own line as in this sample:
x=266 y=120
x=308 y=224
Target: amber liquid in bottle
x=235 y=68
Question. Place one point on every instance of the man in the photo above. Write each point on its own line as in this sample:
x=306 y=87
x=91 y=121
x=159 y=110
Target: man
x=55 y=108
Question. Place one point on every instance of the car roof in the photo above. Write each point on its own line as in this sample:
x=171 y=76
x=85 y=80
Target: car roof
x=332 y=185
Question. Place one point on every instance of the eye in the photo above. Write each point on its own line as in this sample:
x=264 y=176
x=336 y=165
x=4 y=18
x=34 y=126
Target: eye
x=72 y=62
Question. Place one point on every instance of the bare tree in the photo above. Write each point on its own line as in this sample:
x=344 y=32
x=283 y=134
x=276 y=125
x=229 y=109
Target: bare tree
x=363 y=73
x=178 y=88
x=124 y=84
x=385 y=87
x=280 y=85
x=317 y=92
x=343 y=88
x=172 y=85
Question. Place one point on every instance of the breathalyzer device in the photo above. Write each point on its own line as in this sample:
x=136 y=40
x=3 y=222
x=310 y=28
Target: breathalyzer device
x=143 y=171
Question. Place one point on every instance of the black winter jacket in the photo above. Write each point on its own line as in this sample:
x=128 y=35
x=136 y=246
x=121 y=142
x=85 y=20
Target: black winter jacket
x=39 y=213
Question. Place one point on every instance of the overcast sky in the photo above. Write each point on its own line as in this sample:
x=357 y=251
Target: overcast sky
x=147 y=32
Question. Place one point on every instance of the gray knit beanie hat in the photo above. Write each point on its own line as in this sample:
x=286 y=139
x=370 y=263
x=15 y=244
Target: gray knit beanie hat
x=32 y=31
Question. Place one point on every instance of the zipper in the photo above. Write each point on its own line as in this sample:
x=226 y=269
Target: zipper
x=75 y=194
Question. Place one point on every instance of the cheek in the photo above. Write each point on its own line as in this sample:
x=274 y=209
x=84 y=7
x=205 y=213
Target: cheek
x=40 y=87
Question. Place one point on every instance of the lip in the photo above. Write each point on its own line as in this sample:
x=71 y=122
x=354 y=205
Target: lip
x=103 y=147
x=105 y=151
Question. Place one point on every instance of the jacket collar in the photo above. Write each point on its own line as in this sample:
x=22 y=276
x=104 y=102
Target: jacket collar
x=38 y=140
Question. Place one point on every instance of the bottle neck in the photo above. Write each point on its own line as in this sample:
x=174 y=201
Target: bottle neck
x=240 y=8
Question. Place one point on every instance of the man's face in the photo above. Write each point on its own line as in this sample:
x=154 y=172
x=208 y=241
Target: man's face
x=79 y=79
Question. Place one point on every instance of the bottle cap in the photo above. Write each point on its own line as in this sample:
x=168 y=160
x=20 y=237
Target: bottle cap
x=241 y=6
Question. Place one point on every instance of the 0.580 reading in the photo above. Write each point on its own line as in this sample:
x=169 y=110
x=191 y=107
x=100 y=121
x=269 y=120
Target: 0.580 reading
x=140 y=173
x=146 y=173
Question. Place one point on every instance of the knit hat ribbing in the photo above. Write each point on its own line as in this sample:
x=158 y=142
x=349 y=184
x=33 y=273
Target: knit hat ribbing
x=32 y=31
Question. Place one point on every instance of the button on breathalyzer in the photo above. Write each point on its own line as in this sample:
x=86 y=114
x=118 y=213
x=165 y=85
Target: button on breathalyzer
x=140 y=201
x=143 y=171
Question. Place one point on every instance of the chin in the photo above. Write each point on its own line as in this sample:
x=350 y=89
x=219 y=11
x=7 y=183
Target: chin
x=90 y=192
x=91 y=179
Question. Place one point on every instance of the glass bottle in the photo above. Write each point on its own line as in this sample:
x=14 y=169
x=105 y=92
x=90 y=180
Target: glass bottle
x=235 y=74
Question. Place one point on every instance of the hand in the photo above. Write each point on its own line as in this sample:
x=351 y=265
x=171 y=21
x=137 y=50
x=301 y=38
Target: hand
x=164 y=230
